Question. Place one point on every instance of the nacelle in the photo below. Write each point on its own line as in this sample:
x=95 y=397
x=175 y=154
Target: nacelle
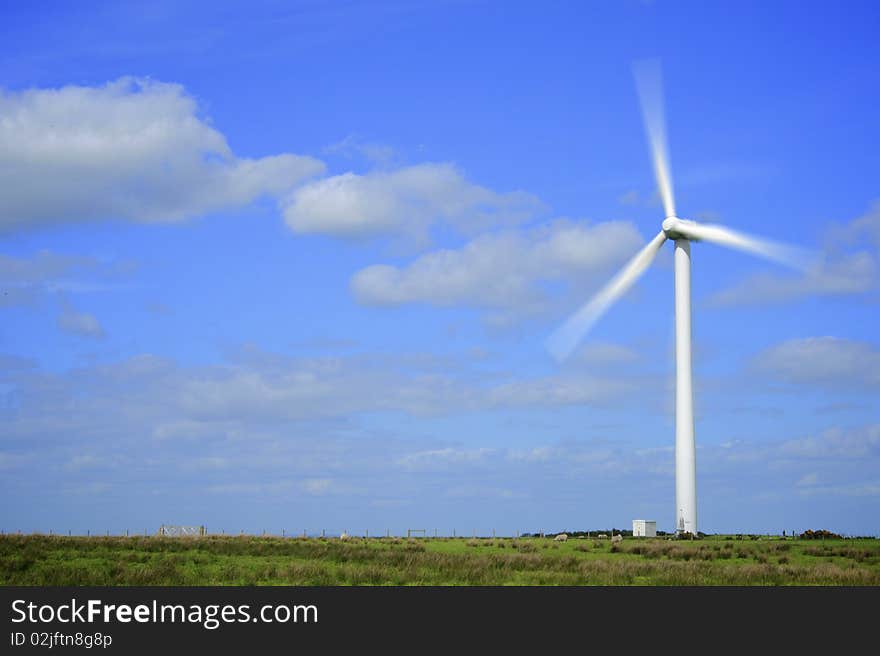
x=672 y=227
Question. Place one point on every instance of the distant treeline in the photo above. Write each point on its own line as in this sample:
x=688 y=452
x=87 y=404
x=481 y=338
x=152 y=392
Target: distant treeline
x=809 y=534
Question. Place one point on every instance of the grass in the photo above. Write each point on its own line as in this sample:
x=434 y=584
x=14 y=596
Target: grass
x=214 y=560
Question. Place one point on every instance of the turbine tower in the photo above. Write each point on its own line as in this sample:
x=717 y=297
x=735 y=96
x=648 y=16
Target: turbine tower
x=564 y=340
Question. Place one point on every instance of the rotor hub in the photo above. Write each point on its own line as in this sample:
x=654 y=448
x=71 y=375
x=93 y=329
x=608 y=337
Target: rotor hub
x=670 y=223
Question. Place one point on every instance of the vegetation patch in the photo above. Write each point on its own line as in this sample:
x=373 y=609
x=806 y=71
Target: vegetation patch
x=242 y=560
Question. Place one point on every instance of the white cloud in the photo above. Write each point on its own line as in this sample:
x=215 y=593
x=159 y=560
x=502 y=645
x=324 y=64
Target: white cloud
x=317 y=486
x=79 y=323
x=481 y=492
x=822 y=360
x=836 y=443
x=353 y=146
x=849 y=265
x=808 y=480
x=560 y=390
x=42 y=267
x=133 y=149
x=631 y=197
x=188 y=429
x=84 y=461
x=26 y=280
x=869 y=489
x=840 y=275
x=864 y=228
x=405 y=201
x=440 y=458
x=504 y=270
x=239 y=403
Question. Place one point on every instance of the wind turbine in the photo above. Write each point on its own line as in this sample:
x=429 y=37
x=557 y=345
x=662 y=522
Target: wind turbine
x=682 y=232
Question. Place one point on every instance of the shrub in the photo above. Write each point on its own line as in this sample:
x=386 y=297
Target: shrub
x=821 y=534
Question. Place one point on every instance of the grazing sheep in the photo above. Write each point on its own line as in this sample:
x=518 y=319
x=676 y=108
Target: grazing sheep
x=616 y=538
x=602 y=536
x=562 y=537
x=344 y=536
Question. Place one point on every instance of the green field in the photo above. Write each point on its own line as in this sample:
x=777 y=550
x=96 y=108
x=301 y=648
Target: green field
x=215 y=560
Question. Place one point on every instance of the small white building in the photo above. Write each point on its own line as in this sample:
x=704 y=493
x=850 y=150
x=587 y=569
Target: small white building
x=644 y=528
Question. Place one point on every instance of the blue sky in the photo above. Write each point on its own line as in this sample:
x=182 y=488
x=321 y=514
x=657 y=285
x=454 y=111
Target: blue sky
x=292 y=265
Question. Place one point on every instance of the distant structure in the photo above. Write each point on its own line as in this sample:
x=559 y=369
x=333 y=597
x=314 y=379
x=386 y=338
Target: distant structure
x=181 y=531
x=644 y=528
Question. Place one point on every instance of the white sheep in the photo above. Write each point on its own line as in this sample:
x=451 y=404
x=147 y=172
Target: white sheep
x=562 y=537
x=616 y=538
x=344 y=536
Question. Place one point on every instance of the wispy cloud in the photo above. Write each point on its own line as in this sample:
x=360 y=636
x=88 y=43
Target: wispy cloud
x=353 y=146
x=79 y=323
x=822 y=360
x=30 y=280
x=440 y=458
x=605 y=353
x=847 y=266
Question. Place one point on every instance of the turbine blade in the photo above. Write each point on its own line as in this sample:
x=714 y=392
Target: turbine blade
x=564 y=339
x=791 y=256
x=649 y=83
